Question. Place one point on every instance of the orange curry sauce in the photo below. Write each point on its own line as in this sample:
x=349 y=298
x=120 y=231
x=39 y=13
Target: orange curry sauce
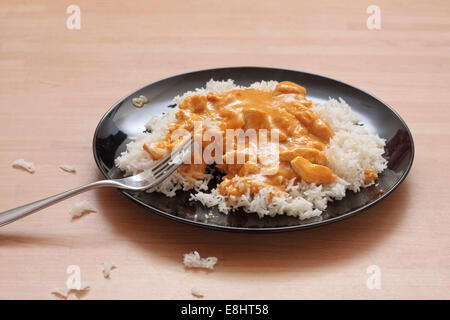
x=303 y=136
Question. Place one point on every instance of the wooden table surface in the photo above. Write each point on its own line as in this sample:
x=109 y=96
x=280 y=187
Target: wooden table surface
x=56 y=83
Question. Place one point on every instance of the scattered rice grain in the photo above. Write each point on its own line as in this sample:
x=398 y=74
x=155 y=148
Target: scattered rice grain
x=22 y=164
x=193 y=260
x=81 y=207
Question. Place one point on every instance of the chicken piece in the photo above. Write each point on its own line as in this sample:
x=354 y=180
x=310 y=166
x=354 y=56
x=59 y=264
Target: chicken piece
x=313 y=155
x=289 y=87
x=303 y=113
x=301 y=132
x=256 y=119
x=316 y=144
x=305 y=116
x=213 y=96
x=282 y=137
x=312 y=173
x=268 y=158
x=311 y=120
x=320 y=129
x=284 y=121
x=235 y=119
x=305 y=102
x=155 y=150
x=196 y=103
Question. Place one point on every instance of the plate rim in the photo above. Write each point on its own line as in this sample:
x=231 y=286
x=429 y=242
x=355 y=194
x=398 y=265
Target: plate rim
x=258 y=229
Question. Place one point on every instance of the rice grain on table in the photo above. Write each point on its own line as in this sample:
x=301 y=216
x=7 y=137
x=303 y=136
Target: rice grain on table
x=68 y=168
x=22 y=164
x=193 y=260
x=81 y=207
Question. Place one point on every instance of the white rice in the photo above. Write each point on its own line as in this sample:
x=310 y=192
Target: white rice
x=197 y=293
x=81 y=207
x=22 y=164
x=68 y=168
x=193 y=260
x=351 y=151
x=71 y=293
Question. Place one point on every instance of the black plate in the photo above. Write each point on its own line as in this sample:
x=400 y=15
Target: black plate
x=124 y=120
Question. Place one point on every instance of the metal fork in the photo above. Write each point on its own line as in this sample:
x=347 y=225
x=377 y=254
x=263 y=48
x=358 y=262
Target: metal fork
x=145 y=180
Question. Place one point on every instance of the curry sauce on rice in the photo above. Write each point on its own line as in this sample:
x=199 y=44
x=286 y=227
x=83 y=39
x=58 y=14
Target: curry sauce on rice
x=310 y=154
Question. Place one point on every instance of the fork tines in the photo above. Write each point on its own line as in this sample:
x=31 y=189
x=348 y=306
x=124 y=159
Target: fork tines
x=172 y=161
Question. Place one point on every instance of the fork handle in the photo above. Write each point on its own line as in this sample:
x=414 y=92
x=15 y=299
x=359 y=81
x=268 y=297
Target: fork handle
x=25 y=210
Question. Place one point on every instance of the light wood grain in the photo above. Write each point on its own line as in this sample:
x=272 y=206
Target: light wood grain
x=55 y=84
